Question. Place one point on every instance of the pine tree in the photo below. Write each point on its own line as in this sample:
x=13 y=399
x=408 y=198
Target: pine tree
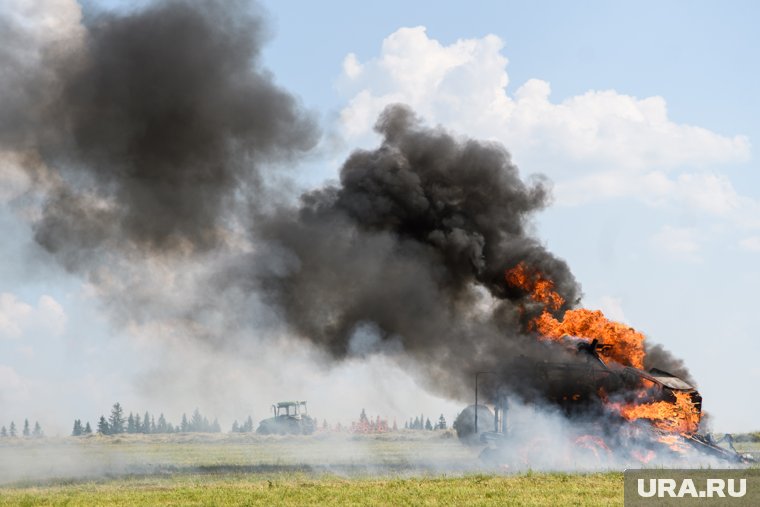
x=12 y=430
x=116 y=420
x=87 y=429
x=215 y=427
x=441 y=423
x=130 y=423
x=103 y=427
x=196 y=421
x=145 y=428
x=417 y=424
x=3 y=432
x=248 y=425
x=37 y=431
x=26 y=432
x=77 y=431
x=184 y=426
x=428 y=426
x=235 y=427
x=161 y=427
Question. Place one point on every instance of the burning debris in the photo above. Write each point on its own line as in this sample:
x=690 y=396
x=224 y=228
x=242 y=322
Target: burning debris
x=621 y=411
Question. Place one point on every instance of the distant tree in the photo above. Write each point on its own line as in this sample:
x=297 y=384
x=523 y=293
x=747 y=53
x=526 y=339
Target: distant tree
x=235 y=427
x=12 y=430
x=25 y=431
x=324 y=424
x=363 y=418
x=87 y=429
x=171 y=429
x=406 y=425
x=77 y=431
x=184 y=426
x=37 y=431
x=395 y=426
x=103 y=427
x=145 y=426
x=416 y=424
x=131 y=423
x=441 y=423
x=116 y=420
x=428 y=426
x=3 y=432
x=153 y=424
x=196 y=421
x=162 y=427
x=215 y=426
x=248 y=427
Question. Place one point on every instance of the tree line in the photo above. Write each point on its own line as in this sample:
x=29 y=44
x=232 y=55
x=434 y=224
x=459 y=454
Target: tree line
x=420 y=423
x=27 y=432
x=117 y=422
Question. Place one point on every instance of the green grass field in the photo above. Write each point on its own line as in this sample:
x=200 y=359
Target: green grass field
x=305 y=489
x=407 y=468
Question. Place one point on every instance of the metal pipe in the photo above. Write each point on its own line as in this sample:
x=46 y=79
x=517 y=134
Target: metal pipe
x=476 y=398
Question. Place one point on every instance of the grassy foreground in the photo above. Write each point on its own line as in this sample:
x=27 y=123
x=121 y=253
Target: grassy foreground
x=301 y=489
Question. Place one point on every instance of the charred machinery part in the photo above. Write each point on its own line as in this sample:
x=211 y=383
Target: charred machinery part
x=585 y=390
x=465 y=427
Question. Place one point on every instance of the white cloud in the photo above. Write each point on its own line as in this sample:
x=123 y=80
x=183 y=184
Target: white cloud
x=13 y=387
x=681 y=243
x=598 y=145
x=19 y=319
x=750 y=244
x=612 y=308
x=13 y=316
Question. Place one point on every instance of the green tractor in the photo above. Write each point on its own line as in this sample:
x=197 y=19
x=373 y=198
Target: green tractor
x=290 y=418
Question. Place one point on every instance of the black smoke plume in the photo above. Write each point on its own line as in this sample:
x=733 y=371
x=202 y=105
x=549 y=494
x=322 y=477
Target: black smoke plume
x=408 y=255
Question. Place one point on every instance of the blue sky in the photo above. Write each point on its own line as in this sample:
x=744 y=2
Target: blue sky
x=657 y=200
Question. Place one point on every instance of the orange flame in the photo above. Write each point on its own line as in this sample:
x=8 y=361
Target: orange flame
x=617 y=342
x=541 y=289
x=681 y=416
x=624 y=344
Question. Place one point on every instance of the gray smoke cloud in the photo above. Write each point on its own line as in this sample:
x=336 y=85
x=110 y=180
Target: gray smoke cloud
x=156 y=125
